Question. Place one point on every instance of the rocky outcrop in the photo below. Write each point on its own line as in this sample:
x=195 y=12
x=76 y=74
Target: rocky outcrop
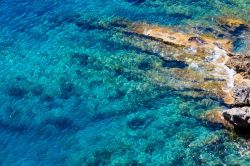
x=210 y=64
x=179 y=39
x=241 y=64
x=241 y=94
x=204 y=55
x=239 y=117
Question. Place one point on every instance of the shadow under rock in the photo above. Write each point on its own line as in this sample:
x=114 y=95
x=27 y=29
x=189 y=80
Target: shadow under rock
x=242 y=132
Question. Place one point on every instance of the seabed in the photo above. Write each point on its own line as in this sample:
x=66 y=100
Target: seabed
x=122 y=82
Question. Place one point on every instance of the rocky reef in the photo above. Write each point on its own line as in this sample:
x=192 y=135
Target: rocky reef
x=206 y=64
x=212 y=65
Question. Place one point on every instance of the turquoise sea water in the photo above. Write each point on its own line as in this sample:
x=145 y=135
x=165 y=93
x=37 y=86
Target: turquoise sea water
x=74 y=92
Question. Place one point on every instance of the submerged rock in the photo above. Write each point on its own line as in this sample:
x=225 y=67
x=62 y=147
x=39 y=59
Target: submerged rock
x=216 y=116
x=179 y=39
x=232 y=23
x=238 y=31
x=205 y=57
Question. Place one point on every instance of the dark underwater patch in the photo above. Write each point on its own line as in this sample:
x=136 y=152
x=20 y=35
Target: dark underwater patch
x=238 y=45
x=13 y=128
x=75 y=18
x=229 y=2
x=100 y=157
x=61 y=123
x=136 y=123
x=180 y=16
x=154 y=146
x=67 y=90
x=117 y=95
x=99 y=117
x=116 y=46
x=204 y=29
x=52 y=104
x=131 y=76
x=174 y=64
x=239 y=30
x=119 y=24
x=136 y=1
x=82 y=59
x=144 y=65
x=17 y=92
x=46 y=98
x=58 y=20
x=84 y=25
x=37 y=90
x=221 y=35
x=139 y=123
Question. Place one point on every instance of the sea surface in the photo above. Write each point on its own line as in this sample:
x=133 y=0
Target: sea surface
x=74 y=91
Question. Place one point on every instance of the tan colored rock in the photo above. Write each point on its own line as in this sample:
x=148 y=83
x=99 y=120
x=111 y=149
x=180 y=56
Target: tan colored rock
x=209 y=59
x=232 y=22
x=241 y=64
x=238 y=79
x=228 y=98
x=216 y=116
x=178 y=39
x=198 y=52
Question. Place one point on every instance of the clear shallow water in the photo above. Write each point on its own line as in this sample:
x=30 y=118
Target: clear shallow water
x=76 y=93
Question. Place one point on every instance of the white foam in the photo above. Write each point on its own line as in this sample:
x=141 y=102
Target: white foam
x=216 y=54
x=221 y=70
x=192 y=50
x=194 y=66
x=230 y=77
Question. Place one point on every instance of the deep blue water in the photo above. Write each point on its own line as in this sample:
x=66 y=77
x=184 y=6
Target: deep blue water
x=74 y=92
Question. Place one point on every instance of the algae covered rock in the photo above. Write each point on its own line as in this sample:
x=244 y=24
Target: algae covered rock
x=232 y=23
